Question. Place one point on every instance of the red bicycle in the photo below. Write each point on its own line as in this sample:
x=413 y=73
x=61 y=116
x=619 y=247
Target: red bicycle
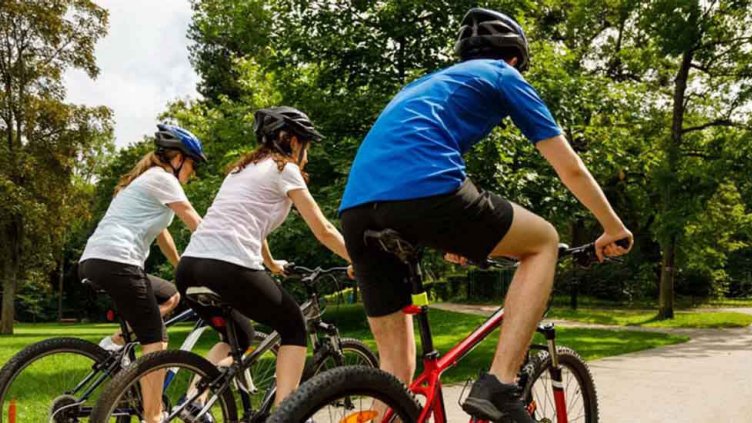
x=556 y=383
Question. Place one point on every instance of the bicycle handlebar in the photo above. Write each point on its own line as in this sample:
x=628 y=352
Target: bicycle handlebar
x=583 y=255
x=291 y=269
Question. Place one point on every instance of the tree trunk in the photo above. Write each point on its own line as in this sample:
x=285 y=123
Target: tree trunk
x=672 y=148
x=666 y=299
x=60 y=288
x=7 y=316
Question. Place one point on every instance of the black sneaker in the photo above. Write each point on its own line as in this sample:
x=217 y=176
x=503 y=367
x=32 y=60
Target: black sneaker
x=490 y=399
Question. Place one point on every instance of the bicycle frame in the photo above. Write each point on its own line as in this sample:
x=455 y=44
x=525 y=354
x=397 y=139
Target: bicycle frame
x=428 y=383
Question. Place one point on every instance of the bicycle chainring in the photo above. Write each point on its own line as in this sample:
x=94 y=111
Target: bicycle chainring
x=65 y=409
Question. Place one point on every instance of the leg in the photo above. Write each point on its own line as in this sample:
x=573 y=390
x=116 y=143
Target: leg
x=534 y=242
x=395 y=341
x=151 y=387
x=290 y=363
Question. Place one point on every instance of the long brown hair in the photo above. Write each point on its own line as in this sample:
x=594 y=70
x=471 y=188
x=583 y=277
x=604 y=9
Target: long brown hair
x=147 y=162
x=263 y=152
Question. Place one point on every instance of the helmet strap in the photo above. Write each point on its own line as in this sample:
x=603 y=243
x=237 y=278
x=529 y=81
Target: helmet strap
x=176 y=171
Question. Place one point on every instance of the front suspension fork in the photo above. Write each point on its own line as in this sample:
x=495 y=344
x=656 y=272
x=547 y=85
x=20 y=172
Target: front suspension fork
x=557 y=384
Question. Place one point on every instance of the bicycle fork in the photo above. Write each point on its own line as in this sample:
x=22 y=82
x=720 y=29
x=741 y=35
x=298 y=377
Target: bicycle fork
x=557 y=383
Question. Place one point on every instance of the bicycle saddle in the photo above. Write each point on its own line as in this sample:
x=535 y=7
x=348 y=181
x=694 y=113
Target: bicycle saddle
x=390 y=241
x=93 y=286
x=204 y=296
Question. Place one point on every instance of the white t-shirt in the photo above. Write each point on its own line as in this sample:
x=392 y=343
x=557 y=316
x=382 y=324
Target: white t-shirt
x=136 y=215
x=249 y=206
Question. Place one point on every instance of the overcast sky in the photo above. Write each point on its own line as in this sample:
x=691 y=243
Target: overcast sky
x=143 y=64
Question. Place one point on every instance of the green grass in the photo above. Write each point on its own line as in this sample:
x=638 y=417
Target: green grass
x=648 y=318
x=448 y=328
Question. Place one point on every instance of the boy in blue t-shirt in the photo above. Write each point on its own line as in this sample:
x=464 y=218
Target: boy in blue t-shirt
x=409 y=175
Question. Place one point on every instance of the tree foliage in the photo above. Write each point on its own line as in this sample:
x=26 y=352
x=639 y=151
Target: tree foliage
x=47 y=144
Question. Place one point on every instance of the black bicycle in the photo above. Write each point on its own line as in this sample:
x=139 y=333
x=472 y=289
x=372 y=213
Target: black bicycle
x=59 y=379
x=247 y=385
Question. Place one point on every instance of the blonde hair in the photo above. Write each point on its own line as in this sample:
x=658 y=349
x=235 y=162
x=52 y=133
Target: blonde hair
x=147 y=162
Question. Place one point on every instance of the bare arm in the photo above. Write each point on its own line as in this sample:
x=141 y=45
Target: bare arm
x=324 y=231
x=274 y=266
x=185 y=211
x=577 y=178
x=167 y=246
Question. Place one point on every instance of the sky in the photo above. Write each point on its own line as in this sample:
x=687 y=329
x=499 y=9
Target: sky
x=143 y=64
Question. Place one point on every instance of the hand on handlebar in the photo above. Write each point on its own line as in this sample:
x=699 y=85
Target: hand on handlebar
x=613 y=244
x=350 y=272
x=278 y=267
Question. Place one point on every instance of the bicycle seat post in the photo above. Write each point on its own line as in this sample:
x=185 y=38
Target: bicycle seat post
x=420 y=309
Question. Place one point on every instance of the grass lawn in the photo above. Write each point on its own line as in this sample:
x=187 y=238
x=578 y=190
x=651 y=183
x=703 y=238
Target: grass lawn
x=648 y=318
x=448 y=329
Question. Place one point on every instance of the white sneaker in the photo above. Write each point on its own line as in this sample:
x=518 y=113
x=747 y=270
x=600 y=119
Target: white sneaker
x=108 y=344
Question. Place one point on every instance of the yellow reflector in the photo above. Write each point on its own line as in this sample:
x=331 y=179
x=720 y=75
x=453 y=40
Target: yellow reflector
x=360 y=417
x=420 y=299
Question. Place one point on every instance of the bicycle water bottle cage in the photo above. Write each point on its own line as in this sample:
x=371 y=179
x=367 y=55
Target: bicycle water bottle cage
x=390 y=241
x=204 y=296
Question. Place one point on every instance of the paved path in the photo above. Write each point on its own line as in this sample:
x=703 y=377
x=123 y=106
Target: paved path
x=705 y=380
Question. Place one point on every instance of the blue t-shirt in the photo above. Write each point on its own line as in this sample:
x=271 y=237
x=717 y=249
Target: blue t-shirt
x=415 y=147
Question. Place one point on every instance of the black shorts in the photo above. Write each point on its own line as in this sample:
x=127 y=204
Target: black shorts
x=252 y=293
x=467 y=222
x=136 y=295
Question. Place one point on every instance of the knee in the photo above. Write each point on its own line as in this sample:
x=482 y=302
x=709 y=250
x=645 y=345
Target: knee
x=171 y=303
x=550 y=235
x=293 y=331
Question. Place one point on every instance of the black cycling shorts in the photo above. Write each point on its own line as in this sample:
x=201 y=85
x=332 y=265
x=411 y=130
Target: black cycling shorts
x=468 y=222
x=251 y=292
x=136 y=295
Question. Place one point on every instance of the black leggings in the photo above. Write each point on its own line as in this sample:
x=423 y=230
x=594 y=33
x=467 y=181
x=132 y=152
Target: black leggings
x=252 y=292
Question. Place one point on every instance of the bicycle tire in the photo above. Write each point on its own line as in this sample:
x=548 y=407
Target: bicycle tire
x=571 y=361
x=41 y=349
x=161 y=359
x=325 y=387
x=314 y=367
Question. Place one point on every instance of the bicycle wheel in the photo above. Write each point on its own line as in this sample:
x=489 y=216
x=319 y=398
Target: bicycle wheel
x=354 y=353
x=42 y=381
x=347 y=394
x=121 y=397
x=579 y=389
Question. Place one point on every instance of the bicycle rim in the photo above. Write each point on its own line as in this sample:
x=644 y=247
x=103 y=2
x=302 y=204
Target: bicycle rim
x=44 y=389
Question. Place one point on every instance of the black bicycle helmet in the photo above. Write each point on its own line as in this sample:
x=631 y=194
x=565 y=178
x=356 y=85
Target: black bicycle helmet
x=171 y=137
x=267 y=122
x=485 y=32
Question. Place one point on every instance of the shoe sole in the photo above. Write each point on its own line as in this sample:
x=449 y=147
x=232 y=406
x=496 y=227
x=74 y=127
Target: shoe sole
x=482 y=409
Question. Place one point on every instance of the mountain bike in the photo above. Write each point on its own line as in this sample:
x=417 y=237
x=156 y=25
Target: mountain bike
x=556 y=383
x=58 y=379
x=247 y=385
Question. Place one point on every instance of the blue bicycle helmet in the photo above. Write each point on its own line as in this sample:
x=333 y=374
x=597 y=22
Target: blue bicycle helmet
x=171 y=137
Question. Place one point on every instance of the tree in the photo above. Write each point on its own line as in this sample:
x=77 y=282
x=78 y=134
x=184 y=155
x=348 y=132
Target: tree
x=44 y=138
